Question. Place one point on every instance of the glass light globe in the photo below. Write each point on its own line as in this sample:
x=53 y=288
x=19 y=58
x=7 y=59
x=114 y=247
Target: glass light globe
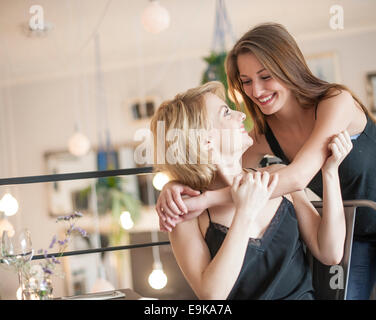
x=78 y=144
x=155 y=18
x=9 y=205
x=126 y=220
x=159 y=180
x=157 y=279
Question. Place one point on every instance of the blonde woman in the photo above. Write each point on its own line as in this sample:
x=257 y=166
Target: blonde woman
x=295 y=116
x=252 y=247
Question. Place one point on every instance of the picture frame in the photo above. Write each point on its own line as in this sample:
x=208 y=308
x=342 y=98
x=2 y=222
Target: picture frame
x=371 y=90
x=65 y=197
x=325 y=66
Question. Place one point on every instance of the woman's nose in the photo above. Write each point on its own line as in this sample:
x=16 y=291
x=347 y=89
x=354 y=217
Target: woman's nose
x=242 y=116
x=256 y=89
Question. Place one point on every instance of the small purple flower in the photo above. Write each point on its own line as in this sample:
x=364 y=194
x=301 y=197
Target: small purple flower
x=81 y=231
x=78 y=214
x=52 y=242
x=54 y=260
x=70 y=217
x=50 y=262
x=62 y=242
x=47 y=270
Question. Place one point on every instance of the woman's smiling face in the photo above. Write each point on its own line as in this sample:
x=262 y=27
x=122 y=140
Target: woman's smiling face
x=227 y=123
x=269 y=94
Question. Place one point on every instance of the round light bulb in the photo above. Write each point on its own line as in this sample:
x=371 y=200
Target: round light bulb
x=159 y=180
x=157 y=278
x=126 y=220
x=9 y=205
x=78 y=144
x=155 y=18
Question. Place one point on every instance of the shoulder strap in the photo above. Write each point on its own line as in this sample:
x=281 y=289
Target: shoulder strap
x=207 y=210
x=274 y=145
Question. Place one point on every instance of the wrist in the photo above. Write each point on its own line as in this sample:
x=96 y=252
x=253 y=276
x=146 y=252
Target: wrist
x=208 y=198
x=243 y=214
x=330 y=173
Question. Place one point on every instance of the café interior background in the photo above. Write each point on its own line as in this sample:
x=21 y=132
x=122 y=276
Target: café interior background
x=90 y=66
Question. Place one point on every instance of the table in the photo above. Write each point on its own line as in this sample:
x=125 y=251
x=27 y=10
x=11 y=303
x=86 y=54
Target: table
x=129 y=295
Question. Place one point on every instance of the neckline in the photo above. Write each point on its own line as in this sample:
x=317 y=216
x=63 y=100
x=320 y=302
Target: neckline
x=257 y=242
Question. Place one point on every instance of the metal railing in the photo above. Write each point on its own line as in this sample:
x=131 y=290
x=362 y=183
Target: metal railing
x=84 y=175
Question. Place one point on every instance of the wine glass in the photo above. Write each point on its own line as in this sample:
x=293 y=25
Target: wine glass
x=17 y=253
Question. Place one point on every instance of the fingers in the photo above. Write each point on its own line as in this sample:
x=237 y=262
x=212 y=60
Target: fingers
x=190 y=192
x=236 y=182
x=171 y=202
x=257 y=177
x=341 y=145
x=265 y=179
x=168 y=224
x=176 y=195
x=273 y=183
x=166 y=210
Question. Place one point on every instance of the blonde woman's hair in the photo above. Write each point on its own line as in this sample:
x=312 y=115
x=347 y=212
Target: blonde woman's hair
x=279 y=53
x=185 y=122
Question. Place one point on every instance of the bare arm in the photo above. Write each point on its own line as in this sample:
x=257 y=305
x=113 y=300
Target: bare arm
x=214 y=279
x=333 y=116
x=325 y=235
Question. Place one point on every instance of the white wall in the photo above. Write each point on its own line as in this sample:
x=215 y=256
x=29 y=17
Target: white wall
x=356 y=54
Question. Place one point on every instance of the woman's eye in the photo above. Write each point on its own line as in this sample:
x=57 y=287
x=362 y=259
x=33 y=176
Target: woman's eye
x=227 y=111
x=246 y=82
x=265 y=77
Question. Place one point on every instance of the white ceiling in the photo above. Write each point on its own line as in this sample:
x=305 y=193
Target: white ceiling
x=69 y=45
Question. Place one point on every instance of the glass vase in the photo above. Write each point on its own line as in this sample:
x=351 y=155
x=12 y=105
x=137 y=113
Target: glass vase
x=41 y=289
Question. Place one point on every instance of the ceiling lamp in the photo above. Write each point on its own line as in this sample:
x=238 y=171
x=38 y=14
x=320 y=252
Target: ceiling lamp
x=9 y=205
x=157 y=279
x=159 y=180
x=155 y=18
x=126 y=220
x=78 y=144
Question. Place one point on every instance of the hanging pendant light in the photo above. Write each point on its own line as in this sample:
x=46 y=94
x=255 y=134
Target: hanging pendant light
x=78 y=144
x=9 y=205
x=126 y=220
x=157 y=278
x=155 y=18
x=159 y=180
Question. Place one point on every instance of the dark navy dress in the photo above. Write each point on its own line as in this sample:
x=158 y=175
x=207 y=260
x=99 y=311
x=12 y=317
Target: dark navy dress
x=357 y=174
x=274 y=266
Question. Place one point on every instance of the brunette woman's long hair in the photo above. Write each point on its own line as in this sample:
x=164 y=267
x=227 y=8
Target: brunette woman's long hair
x=279 y=53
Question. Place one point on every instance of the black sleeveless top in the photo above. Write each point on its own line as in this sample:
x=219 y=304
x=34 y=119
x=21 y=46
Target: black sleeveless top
x=274 y=266
x=357 y=177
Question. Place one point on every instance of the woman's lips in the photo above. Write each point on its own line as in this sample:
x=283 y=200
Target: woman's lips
x=267 y=100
